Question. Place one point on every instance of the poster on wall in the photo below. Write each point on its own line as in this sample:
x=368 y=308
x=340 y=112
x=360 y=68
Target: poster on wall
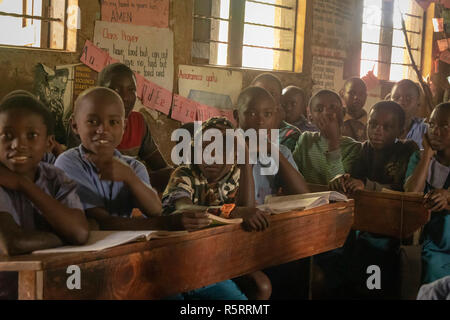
x=327 y=73
x=332 y=25
x=54 y=87
x=146 y=50
x=210 y=86
x=153 y=13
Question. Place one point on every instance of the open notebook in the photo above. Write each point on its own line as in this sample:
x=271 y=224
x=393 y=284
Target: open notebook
x=100 y=240
x=279 y=204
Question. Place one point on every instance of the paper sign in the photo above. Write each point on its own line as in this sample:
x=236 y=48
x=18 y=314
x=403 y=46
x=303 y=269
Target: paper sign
x=446 y=3
x=146 y=50
x=111 y=60
x=442 y=44
x=156 y=97
x=438 y=24
x=183 y=109
x=93 y=57
x=153 y=13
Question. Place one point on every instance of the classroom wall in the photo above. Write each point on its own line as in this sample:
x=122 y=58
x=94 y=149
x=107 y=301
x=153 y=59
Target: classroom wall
x=17 y=65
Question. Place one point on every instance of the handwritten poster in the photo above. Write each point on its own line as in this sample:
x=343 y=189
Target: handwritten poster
x=146 y=50
x=210 y=86
x=183 y=109
x=156 y=97
x=93 y=57
x=153 y=13
x=332 y=23
x=327 y=73
x=84 y=78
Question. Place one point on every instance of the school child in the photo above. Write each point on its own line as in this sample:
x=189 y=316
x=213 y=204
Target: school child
x=407 y=94
x=430 y=172
x=256 y=109
x=110 y=185
x=197 y=187
x=288 y=134
x=354 y=95
x=321 y=156
x=39 y=207
x=295 y=105
x=137 y=140
x=382 y=164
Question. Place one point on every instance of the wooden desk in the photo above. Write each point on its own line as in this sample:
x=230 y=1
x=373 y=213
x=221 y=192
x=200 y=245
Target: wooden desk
x=163 y=267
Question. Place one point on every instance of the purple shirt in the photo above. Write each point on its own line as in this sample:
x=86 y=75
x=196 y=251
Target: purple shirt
x=115 y=196
x=55 y=183
x=418 y=129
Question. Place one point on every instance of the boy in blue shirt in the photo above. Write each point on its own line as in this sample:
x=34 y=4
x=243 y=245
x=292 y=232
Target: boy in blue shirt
x=39 y=207
x=110 y=185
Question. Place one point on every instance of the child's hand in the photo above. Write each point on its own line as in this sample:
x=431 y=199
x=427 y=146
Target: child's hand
x=254 y=219
x=9 y=179
x=192 y=220
x=352 y=185
x=338 y=183
x=436 y=200
x=330 y=129
x=111 y=168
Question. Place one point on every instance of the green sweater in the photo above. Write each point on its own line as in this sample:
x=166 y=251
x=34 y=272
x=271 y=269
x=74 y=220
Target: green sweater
x=319 y=166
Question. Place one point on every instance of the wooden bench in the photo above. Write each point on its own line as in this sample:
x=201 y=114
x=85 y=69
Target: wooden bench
x=163 y=267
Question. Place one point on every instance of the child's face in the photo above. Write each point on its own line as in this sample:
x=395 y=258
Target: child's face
x=99 y=123
x=294 y=105
x=258 y=114
x=125 y=85
x=214 y=172
x=328 y=105
x=438 y=131
x=354 y=95
x=23 y=141
x=406 y=96
x=382 y=129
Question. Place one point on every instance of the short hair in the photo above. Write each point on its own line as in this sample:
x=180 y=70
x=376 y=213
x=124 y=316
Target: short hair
x=106 y=94
x=28 y=102
x=106 y=74
x=356 y=80
x=295 y=89
x=410 y=83
x=324 y=92
x=445 y=106
x=267 y=76
x=250 y=93
x=392 y=107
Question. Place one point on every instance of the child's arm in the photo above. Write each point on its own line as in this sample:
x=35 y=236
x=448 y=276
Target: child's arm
x=416 y=182
x=113 y=169
x=15 y=240
x=437 y=200
x=293 y=181
x=70 y=224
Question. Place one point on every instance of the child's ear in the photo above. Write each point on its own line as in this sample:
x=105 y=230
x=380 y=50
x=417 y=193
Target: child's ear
x=50 y=143
x=73 y=124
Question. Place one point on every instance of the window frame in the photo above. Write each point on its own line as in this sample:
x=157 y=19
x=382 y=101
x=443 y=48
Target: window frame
x=46 y=31
x=235 y=43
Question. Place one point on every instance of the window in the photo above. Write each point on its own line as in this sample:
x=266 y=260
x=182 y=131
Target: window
x=49 y=24
x=254 y=34
x=383 y=47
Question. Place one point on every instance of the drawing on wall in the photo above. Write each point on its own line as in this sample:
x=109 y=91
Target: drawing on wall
x=212 y=99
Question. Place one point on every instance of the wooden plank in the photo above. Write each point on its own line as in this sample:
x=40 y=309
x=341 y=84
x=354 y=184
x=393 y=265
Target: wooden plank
x=393 y=215
x=164 y=267
x=30 y=285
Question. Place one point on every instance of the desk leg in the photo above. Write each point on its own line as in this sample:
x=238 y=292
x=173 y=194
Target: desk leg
x=30 y=285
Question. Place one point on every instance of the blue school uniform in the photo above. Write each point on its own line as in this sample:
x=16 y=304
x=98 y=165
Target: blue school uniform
x=115 y=196
x=436 y=233
x=269 y=184
x=417 y=130
x=55 y=183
